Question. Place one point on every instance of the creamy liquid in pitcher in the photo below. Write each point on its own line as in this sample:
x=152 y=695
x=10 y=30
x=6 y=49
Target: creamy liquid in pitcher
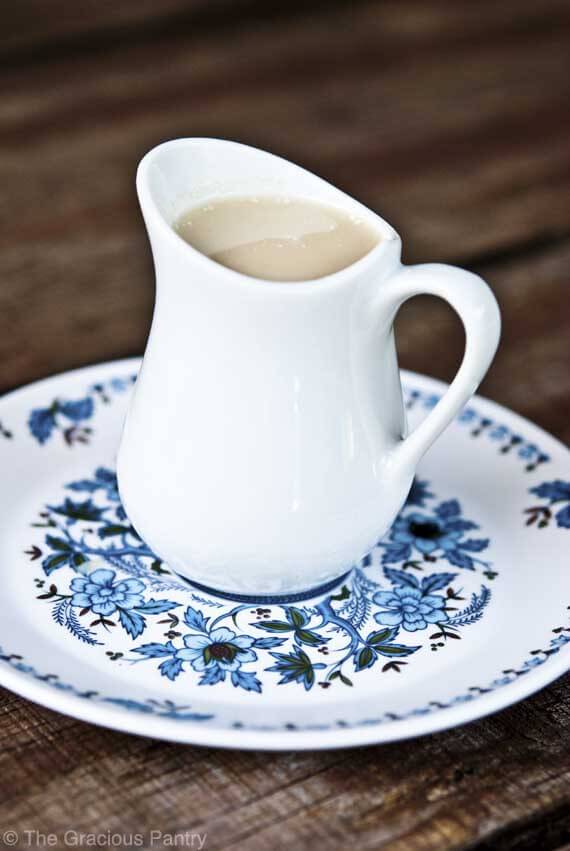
x=277 y=238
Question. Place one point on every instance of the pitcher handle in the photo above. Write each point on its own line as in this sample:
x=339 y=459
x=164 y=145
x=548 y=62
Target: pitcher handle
x=473 y=301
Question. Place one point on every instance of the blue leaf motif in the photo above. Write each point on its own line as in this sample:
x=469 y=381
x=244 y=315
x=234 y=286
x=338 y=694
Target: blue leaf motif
x=400 y=577
x=499 y=433
x=308 y=636
x=295 y=667
x=196 y=620
x=121 y=384
x=131 y=704
x=246 y=680
x=89 y=485
x=450 y=508
x=436 y=581
x=396 y=552
x=474 y=545
x=364 y=657
x=212 y=676
x=61 y=547
x=268 y=643
x=167 y=709
x=381 y=636
x=170 y=668
x=81 y=409
x=63 y=555
x=296 y=617
x=155 y=650
x=563 y=517
x=74 y=511
x=64 y=615
x=41 y=423
x=104 y=479
x=554 y=491
x=460 y=559
x=187 y=716
x=473 y=612
x=460 y=525
x=131 y=622
x=390 y=650
x=156 y=607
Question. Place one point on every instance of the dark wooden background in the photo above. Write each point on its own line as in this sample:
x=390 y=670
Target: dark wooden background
x=452 y=120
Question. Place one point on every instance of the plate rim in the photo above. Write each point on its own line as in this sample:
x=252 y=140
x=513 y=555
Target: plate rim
x=282 y=739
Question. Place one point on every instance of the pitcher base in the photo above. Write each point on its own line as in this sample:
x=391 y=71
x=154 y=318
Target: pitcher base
x=269 y=598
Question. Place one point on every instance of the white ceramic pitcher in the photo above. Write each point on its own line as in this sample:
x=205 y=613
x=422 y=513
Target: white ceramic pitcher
x=265 y=448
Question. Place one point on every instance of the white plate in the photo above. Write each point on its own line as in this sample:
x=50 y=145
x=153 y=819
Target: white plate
x=462 y=610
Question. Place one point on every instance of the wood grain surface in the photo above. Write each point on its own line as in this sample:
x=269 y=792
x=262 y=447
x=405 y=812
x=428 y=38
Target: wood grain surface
x=452 y=121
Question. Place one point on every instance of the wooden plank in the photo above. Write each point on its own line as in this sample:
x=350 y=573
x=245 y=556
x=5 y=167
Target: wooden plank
x=30 y=26
x=451 y=790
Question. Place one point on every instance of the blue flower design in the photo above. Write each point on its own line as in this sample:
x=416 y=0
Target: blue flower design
x=99 y=593
x=505 y=439
x=556 y=491
x=219 y=651
x=69 y=416
x=425 y=532
x=211 y=652
x=104 y=480
x=84 y=530
x=410 y=608
x=81 y=409
x=433 y=535
x=41 y=423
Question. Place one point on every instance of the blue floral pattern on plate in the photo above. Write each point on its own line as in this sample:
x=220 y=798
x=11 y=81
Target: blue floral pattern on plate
x=69 y=416
x=507 y=440
x=427 y=582
x=556 y=493
x=169 y=709
x=111 y=578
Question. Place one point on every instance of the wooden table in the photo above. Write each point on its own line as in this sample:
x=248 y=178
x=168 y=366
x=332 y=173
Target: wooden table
x=449 y=118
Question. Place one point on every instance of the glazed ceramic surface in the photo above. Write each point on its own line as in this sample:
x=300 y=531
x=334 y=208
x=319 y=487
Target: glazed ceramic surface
x=460 y=610
x=263 y=447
